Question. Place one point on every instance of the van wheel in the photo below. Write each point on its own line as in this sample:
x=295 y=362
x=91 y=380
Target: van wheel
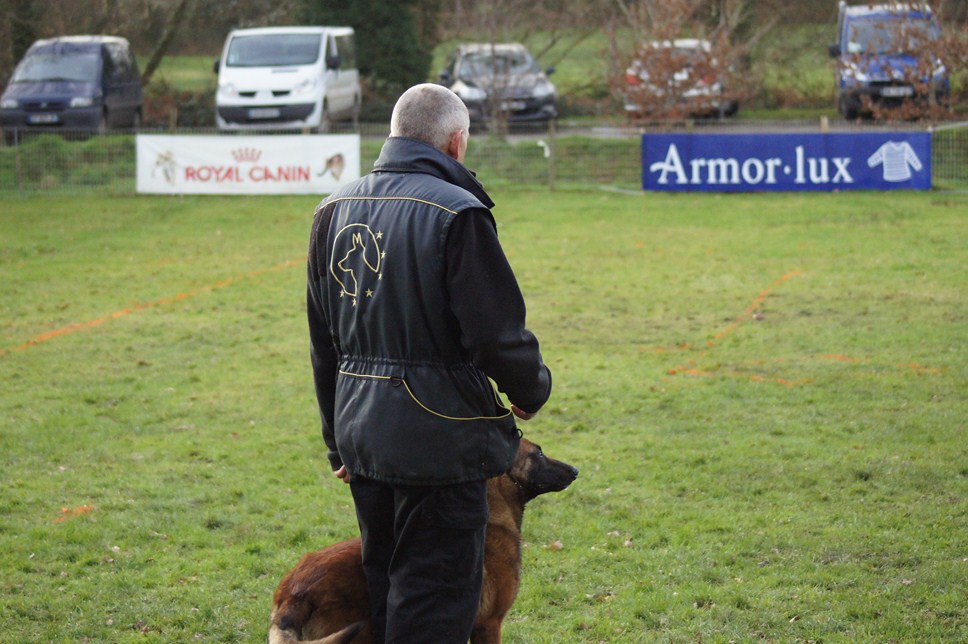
x=325 y=122
x=846 y=110
x=355 y=115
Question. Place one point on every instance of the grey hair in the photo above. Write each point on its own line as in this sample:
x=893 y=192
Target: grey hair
x=429 y=113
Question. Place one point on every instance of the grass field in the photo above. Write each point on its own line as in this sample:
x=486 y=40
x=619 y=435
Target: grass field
x=765 y=395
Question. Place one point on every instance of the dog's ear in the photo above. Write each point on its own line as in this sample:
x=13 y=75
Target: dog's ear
x=537 y=474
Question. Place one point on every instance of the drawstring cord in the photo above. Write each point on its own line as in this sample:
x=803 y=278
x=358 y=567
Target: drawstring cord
x=396 y=381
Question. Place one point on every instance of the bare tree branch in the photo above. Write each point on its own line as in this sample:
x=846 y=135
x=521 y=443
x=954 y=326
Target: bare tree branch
x=161 y=48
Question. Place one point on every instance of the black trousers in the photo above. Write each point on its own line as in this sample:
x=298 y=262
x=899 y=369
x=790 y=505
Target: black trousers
x=423 y=555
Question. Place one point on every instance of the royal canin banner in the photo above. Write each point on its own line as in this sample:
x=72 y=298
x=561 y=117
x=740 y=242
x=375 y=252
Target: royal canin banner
x=284 y=164
x=786 y=162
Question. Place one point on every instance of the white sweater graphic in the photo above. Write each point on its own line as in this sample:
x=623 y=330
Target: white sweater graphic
x=897 y=159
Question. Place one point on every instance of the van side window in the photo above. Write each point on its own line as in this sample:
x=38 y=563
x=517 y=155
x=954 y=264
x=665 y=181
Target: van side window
x=109 y=69
x=119 y=62
x=346 y=51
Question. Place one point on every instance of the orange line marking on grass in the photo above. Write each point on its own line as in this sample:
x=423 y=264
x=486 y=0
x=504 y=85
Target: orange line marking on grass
x=839 y=358
x=689 y=368
x=90 y=324
x=912 y=366
x=759 y=299
x=915 y=367
x=70 y=513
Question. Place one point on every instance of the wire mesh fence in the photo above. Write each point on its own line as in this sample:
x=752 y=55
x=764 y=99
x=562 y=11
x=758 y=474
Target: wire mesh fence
x=557 y=156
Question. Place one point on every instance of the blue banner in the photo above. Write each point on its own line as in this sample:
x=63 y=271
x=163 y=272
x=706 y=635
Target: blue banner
x=786 y=162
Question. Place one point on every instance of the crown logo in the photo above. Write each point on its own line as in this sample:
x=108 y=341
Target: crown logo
x=247 y=154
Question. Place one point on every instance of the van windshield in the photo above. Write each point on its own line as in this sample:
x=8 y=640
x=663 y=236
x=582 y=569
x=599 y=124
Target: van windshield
x=51 y=66
x=890 y=35
x=273 y=50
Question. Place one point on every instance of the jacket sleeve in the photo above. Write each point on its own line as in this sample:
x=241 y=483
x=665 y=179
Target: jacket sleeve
x=322 y=352
x=489 y=306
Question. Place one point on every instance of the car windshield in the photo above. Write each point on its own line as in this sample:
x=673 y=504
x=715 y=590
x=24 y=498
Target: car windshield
x=878 y=35
x=501 y=63
x=273 y=50
x=53 y=66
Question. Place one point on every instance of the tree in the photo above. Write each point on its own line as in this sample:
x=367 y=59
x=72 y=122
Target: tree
x=689 y=58
x=161 y=47
x=17 y=32
x=549 y=29
x=394 y=40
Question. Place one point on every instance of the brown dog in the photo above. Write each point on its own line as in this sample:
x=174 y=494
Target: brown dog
x=323 y=600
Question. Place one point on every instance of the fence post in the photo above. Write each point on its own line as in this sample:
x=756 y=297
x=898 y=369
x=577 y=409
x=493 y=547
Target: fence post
x=16 y=160
x=551 y=154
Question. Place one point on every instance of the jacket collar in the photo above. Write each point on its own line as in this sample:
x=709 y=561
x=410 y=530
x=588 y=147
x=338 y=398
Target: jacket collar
x=400 y=154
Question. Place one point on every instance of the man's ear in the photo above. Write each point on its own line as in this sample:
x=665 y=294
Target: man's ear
x=454 y=145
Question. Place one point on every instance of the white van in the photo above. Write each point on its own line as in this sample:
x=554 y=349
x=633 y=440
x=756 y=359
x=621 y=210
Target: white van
x=287 y=78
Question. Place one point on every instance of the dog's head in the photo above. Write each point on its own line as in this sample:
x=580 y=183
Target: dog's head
x=535 y=474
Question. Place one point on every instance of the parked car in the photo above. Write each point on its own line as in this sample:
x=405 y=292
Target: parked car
x=287 y=78
x=886 y=55
x=500 y=80
x=674 y=78
x=86 y=83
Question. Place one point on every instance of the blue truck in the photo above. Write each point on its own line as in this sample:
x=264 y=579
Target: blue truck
x=887 y=55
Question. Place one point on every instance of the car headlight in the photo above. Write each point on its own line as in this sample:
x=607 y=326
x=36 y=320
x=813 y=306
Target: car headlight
x=228 y=89
x=82 y=101
x=939 y=72
x=468 y=92
x=9 y=104
x=305 y=86
x=544 y=89
x=853 y=71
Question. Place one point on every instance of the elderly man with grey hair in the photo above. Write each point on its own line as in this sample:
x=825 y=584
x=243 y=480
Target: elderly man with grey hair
x=413 y=312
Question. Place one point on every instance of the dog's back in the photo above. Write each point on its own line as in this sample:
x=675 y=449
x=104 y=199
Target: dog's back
x=323 y=594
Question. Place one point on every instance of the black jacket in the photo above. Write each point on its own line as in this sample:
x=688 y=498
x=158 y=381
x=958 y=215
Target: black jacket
x=412 y=307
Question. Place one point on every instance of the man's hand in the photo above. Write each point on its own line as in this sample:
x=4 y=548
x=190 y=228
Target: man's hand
x=520 y=413
x=342 y=474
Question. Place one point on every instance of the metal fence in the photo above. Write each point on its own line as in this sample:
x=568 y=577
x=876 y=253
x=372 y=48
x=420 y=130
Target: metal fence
x=558 y=156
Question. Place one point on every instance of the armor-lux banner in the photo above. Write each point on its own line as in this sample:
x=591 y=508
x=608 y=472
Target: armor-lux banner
x=282 y=164
x=786 y=162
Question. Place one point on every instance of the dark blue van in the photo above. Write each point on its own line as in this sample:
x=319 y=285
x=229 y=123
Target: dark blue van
x=73 y=83
x=887 y=54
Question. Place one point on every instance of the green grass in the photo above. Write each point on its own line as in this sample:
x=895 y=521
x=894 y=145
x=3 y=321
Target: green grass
x=764 y=394
x=188 y=73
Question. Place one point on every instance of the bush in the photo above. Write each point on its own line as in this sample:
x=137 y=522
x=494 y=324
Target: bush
x=165 y=106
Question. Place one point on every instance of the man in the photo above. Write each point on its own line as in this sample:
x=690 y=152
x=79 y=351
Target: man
x=412 y=307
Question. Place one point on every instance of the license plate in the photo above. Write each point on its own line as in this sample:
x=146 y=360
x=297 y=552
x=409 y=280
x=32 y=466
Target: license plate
x=512 y=106
x=264 y=113
x=37 y=119
x=894 y=92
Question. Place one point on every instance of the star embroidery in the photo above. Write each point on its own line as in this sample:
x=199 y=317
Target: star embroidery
x=369 y=293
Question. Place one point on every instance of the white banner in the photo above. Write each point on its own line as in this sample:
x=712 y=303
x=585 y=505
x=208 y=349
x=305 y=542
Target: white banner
x=297 y=164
